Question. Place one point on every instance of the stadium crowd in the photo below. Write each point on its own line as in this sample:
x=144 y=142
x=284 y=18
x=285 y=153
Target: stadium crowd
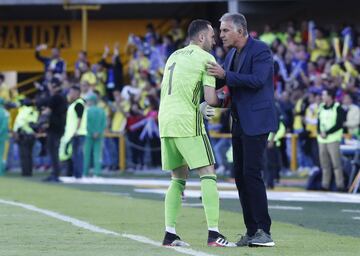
x=311 y=65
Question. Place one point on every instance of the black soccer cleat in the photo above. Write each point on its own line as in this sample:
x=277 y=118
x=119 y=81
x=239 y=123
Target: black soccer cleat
x=173 y=240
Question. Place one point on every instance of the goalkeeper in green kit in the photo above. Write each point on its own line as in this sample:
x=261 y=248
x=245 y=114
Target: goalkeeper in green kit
x=184 y=142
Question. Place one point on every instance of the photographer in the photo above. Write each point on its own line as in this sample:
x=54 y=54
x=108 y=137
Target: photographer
x=4 y=123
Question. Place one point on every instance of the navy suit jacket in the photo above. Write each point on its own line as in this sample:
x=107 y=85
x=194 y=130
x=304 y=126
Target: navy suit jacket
x=251 y=88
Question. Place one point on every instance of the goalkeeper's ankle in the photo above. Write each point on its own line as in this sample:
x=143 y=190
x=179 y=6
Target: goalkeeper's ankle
x=171 y=230
x=213 y=232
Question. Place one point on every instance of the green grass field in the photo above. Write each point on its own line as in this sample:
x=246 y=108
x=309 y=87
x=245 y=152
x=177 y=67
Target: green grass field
x=25 y=232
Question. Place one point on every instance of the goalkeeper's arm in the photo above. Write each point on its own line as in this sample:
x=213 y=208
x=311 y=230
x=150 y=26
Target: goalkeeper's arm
x=213 y=99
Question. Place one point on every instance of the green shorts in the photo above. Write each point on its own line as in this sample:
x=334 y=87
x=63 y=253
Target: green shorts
x=195 y=152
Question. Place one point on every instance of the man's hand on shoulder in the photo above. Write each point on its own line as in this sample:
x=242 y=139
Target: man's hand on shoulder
x=214 y=69
x=207 y=111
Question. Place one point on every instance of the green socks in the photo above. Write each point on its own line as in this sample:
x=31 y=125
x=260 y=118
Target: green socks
x=210 y=199
x=173 y=203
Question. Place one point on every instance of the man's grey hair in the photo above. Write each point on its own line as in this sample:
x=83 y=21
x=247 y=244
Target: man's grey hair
x=237 y=19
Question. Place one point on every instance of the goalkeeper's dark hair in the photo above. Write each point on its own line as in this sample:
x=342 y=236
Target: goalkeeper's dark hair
x=196 y=26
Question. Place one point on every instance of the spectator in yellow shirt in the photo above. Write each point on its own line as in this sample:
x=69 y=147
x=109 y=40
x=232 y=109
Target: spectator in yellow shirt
x=120 y=109
x=345 y=70
x=101 y=76
x=87 y=75
x=176 y=32
x=268 y=36
x=139 y=64
x=311 y=120
x=5 y=93
x=82 y=58
x=322 y=46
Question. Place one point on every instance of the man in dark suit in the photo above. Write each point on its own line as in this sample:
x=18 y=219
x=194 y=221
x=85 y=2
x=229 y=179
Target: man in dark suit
x=248 y=72
x=55 y=109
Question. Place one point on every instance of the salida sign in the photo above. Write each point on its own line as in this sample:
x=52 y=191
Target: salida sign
x=28 y=36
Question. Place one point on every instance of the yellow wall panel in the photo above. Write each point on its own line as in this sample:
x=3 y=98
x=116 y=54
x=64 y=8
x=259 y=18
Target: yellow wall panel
x=19 y=39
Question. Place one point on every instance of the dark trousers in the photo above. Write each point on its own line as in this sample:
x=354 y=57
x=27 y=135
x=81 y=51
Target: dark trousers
x=315 y=152
x=78 y=155
x=248 y=153
x=53 y=144
x=26 y=144
x=284 y=157
x=137 y=154
x=155 y=154
x=273 y=165
x=69 y=168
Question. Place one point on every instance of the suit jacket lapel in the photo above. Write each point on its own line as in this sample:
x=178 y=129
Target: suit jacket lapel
x=231 y=58
x=241 y=60
x=244 y=53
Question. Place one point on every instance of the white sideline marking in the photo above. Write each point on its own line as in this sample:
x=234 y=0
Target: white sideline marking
x=356 y=218
x=230 y=193
x=55 y=215
x=136 y=182
x=284 y=207
x=188 y=251
x=96 y=229
x=277 y=207
x=349 y=210
x=307 y=196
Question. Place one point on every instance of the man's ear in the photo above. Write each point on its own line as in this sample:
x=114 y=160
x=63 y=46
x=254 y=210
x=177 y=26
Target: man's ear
x=201 y=37
x=240 y=31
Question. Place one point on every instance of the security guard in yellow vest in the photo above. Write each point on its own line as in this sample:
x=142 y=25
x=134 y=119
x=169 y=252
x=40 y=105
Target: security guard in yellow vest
x=330 y=131
x=75 y=131
x=299 y=111
x=4 y=127
x=24 y=128
x=311 y=121
x=298 y=128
